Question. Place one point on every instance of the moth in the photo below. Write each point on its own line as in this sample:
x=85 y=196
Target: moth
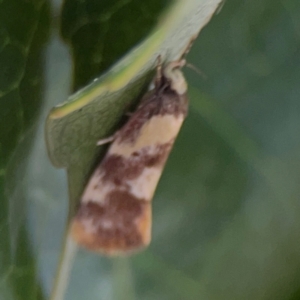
x=114 y=216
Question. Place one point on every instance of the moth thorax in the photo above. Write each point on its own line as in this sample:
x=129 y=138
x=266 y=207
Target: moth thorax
x=174 y=75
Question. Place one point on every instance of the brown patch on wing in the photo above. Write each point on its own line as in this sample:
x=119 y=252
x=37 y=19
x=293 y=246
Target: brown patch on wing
x=157 y=102
x=119 y=169
x=121 y=224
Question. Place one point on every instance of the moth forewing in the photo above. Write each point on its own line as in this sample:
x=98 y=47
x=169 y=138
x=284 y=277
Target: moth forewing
x=114 y=216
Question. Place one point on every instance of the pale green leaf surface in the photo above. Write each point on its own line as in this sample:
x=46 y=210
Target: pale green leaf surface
x=99 y=32
x=74 y=127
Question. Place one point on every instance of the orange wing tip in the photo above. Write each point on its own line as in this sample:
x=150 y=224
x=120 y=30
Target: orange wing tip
x=115 y=242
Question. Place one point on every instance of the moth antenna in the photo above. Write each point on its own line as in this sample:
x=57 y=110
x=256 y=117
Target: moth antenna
x=182 y=61
x=220 y=7
x=197 y=70
x=158 y=76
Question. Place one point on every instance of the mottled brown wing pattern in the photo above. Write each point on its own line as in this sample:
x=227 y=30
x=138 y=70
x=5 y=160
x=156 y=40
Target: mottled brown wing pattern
x=114 y=216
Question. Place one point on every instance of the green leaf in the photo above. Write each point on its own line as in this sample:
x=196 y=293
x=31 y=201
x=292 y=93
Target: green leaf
x=93 y=113
x=74 y=127
x=100 y=32
x=23 y=30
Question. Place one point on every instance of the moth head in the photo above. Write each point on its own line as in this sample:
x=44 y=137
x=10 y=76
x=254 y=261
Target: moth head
x=173 y=74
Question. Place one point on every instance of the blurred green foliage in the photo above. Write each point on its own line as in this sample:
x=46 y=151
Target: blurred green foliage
x=100 y=32
x=24 y=27
x=226 y=222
